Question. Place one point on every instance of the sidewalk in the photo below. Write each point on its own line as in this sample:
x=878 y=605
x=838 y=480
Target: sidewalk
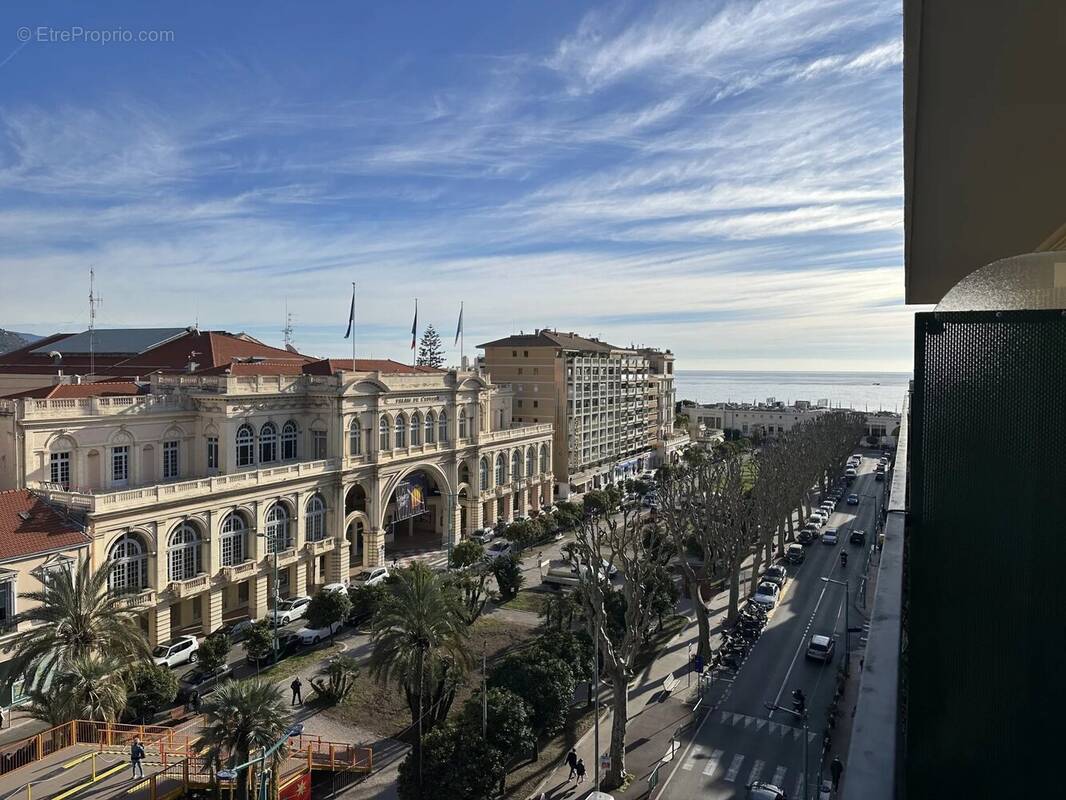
x=658 y=719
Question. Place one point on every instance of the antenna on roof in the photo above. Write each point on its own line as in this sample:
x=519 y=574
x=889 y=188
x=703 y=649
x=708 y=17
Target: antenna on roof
x=94 y=301
x=287 y=330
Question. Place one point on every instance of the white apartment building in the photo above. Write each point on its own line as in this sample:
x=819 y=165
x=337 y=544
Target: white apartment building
x=198 y=486
x=612 y=408
x=773 y=419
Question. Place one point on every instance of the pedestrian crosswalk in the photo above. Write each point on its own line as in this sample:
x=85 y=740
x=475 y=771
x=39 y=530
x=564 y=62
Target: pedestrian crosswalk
x=763 y=725
x=742 y=769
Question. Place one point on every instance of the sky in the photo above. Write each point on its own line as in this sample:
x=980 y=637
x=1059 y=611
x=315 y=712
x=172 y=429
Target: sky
x=723 y=179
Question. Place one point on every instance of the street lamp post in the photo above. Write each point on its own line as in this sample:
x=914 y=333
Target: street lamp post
x=847 y=625
x=231 y=774
x=802 y=717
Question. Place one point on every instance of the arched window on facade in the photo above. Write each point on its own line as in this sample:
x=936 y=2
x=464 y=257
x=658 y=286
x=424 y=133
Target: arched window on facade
x=431 y=428
x=516 y=465
x=531 y=462
x=462 y=423
x=501 y=470
x=401 y=431
x=183 y=553
x=544 y=458
x=383 y=434
x=316 y=519
x=231 y=540
x=355 y=438
x=483 y=475
x=416 y=429
x=268 y=443
x=289 y=451
x=277 y=529
x=245 y=446
x=442 y=426
x=129 y=565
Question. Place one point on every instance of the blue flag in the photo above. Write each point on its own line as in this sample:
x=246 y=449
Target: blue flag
x=351 y=315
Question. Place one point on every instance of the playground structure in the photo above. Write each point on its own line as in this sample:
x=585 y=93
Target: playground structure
x=83 y=759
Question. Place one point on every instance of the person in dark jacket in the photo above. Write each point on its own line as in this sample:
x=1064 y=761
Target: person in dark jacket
x=571 y=761
x=836 y=769
x=296 y=686
x=580 y=771
x=136 y=756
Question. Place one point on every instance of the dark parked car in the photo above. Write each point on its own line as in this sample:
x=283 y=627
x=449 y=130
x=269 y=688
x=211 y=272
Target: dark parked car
x=203 y=683
x=235 y=631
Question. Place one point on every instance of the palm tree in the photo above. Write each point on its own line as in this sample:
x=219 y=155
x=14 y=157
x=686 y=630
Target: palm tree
x=89 y=687
x=73 y=616
x=240 y=718
x=420 y=637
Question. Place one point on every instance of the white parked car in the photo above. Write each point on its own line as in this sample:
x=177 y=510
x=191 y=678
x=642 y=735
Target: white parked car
x=335 y=587
x=818 y=517
x=766 y=595
x=316 y=635
x=830 y=536
x=498 y=548
x=177 y=652
x=371 y=577
x=290 y=609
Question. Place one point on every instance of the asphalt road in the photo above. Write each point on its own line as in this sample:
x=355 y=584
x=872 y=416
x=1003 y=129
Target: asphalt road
x=742 y=741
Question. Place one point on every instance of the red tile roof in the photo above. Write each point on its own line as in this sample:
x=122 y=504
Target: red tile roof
x=207 y=348
x=266 y=367
x=29 y=525
x=76 y=390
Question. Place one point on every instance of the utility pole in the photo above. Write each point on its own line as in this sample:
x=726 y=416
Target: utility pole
x=596 y=693
x=484 y=700
x=847 y=623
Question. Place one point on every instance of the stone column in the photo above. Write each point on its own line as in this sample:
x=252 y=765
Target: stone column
x=473 y=516
x=213 y=548
x=490 y=513
x=213 y=613
x=299 y=525
x=159 y=623
x=258 y=601
x=374 y=548
x=337 y=566
x=300 y=588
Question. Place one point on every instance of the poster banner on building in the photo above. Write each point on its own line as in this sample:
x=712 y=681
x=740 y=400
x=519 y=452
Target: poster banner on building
x=411 y=497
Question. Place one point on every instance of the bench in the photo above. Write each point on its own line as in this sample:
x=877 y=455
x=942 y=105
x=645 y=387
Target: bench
x=670 y=683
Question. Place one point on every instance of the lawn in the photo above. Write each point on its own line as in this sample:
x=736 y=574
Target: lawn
x=296 y=664
x=532 y=600
x=383 y=709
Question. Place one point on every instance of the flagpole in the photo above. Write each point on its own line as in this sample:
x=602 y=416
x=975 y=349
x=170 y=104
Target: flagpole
x=353 y=327
x=462 y=336
x=414 y=337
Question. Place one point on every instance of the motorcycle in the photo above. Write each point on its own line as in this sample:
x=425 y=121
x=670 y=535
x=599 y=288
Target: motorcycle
x=843 y=559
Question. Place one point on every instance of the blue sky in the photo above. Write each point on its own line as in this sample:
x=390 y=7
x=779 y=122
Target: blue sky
x=720 y=178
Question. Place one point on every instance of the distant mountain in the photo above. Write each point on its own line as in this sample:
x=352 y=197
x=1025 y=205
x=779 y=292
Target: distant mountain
x=9 y=340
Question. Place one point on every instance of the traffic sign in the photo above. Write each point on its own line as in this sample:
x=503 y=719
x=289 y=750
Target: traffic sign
x=698 y=663
x=605 y=763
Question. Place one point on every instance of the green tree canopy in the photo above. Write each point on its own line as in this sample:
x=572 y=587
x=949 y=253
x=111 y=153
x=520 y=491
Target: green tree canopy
x=456 y=764
x=213 y=652
x=509 y=577
x=466 y=554
x=152 y=688
x=510 y=726
x=546 y=683
x=328 y=607
x=430 y=349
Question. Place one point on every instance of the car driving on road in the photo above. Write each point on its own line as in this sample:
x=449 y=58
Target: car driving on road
x=765 y=791
x=371 y=577
x=829 y=536
x=821 y=647
x=857 y=537
x=853 y=499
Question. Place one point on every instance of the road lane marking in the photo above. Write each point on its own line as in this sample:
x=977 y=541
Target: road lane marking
x=801 y=646
x=779 y=776
x=756 y=771
x=712 y=762
x=690 y=762
x=734 y=768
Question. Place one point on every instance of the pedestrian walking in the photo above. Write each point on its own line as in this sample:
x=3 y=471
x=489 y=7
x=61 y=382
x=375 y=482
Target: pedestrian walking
x=835 y=769
x=571 y=761
x=580 y=771
x=136 y=756
x=296 y=687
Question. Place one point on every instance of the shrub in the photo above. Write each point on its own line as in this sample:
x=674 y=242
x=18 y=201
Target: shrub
x=260 y=640
x=543 y=681
x=510 y=726
x=456 y=764
x=339 y=676
x=366 y=600
x=509 y=577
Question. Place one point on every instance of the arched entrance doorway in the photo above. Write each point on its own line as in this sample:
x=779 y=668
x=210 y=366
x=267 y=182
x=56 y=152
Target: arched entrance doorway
x=416 y=515
x=355 y=502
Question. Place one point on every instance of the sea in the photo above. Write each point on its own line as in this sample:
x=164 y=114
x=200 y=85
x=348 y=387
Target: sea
x=873 y=391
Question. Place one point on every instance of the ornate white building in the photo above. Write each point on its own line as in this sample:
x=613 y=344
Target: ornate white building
x=198 y=486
